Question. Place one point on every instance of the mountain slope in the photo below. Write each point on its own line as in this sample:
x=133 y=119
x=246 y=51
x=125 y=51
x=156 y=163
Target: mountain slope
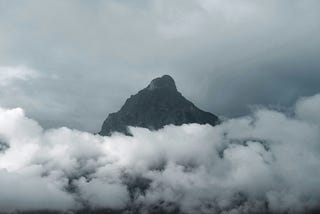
x=155 y=106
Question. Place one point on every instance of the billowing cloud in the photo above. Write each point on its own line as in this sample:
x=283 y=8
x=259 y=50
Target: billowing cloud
x=307 y=107
x=32 y=192
x=264 y=162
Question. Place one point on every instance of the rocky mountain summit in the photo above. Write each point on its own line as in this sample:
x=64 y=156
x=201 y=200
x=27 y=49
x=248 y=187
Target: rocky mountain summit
x=155 y=106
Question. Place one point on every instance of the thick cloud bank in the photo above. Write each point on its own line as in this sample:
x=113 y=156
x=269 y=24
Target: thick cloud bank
x=265 y=162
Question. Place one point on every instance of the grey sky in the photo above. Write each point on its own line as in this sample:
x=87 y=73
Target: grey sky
x=87 y=57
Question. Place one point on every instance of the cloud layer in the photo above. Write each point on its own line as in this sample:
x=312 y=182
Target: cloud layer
x=264 y=162
x=93 y=55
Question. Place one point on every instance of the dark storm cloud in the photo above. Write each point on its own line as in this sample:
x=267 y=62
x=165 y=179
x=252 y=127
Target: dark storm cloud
x=90 y=56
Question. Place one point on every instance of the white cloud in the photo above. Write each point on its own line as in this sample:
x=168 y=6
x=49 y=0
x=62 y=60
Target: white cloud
x=9 y=74
x=22 y=192
x=103 y=194
x=237 y=167
x=307 y=108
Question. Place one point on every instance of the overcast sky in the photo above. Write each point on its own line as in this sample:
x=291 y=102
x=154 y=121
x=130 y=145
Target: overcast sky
x=70 y=63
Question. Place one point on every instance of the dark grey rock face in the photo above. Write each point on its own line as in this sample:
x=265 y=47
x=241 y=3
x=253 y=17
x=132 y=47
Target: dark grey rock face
x=155 y=106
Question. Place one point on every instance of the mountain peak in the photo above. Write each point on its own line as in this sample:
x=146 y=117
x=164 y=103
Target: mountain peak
x=155 y=106
x=165 y=81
